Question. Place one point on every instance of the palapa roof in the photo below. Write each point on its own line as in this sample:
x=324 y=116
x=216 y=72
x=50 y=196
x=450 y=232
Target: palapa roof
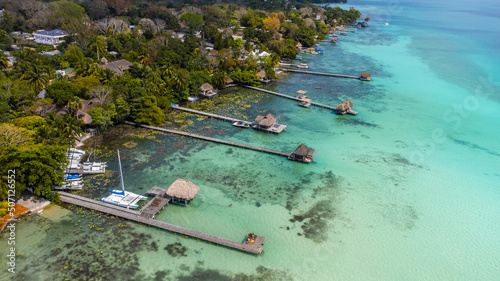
x=118 y=66
x=82 y=112
x=262 y=74
x=301 y=92
x=85 y=118
x=345 y=105
x=266 y=121
x=206 y=87
x=228 y=80
x=299 y=45
x=303 y=150
x=183 y=189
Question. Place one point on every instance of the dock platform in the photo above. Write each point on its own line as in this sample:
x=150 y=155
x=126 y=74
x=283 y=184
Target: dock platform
x=155 y=205
x=290 y=97
x=252 y=248
x=262 y=149
x=320 y=73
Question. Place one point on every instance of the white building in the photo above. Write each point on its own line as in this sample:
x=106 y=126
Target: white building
x=53 y=37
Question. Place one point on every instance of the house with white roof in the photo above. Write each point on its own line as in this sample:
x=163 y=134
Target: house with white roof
x=53 y=37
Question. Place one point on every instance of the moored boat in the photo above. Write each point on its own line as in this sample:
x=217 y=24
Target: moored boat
x=303 y=65
x=241 y=124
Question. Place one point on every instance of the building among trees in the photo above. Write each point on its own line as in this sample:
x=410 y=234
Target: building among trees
x=53 y=37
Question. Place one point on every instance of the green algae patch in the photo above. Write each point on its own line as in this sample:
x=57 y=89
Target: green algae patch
x=130 y=144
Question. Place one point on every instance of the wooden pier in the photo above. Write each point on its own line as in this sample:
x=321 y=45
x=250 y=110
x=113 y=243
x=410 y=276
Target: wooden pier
x=289 y=97
x=253 y=248
x=274 y=129
x=214 y=116
x=320 y=73
x=271 y=151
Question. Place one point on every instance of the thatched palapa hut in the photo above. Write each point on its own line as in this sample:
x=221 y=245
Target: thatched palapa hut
x=228 y=81
x=345 y=107
x=303 y=154
x=263 y=76
x=207 y=90
x=182 y=191
x=265 y=121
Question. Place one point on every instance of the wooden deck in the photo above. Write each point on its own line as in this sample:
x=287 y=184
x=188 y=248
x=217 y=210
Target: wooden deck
x=254 y=248
x=214 y=116
x=271 y=151
x=290 y=97
x=154 y=206
x=319 y=73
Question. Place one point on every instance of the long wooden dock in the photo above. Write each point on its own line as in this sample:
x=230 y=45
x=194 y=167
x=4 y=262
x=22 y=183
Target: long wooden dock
x=214 y=116
x=319 y=73
x=289 y=97
x=262 y=149
x=254 y=248
x=273 y=129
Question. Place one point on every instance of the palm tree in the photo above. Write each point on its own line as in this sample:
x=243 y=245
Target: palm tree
x=36 y=77
x=99 y=46
x=219 y=79
x=167 y=71
x=4 y=63
x=71 y=127
x=73 y=107
x=179 y=81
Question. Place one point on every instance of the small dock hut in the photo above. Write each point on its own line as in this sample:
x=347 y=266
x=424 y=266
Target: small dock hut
x=365 y=77
x=305 y=102
x=303 y=154
x=263 y=77
x=268 y=123
x=229 y=82
x=207 y=90
x=301 y=94
x=345 y=107
x=181 y=191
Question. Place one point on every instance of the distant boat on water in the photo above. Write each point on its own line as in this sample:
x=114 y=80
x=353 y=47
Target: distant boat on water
x=303 y=65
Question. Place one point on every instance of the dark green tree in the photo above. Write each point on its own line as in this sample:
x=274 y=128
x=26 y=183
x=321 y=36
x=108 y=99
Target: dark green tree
x=61 y=92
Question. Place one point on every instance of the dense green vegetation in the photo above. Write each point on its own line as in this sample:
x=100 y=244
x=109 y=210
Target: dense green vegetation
x=166 y=43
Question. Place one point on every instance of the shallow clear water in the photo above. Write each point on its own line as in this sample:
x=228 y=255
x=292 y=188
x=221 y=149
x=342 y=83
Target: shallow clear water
x=406 y=190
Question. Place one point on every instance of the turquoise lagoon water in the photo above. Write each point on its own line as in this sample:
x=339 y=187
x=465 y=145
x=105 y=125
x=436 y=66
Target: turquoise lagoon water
x=406 y=190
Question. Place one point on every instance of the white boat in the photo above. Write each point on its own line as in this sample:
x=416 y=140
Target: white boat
x=192 y=98
x=94 y=167
x=123 y=198
x=241 y=124
x=303 y=65
x=71 y=185
x=74 y=165
x=75 y=151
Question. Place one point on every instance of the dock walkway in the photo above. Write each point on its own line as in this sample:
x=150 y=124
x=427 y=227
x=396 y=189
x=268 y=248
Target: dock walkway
x=290 y=97
x=281 y=153
x=214 y=116
x=254 y=248
x=156 y=204
x=274 y=129
x=319 y=73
